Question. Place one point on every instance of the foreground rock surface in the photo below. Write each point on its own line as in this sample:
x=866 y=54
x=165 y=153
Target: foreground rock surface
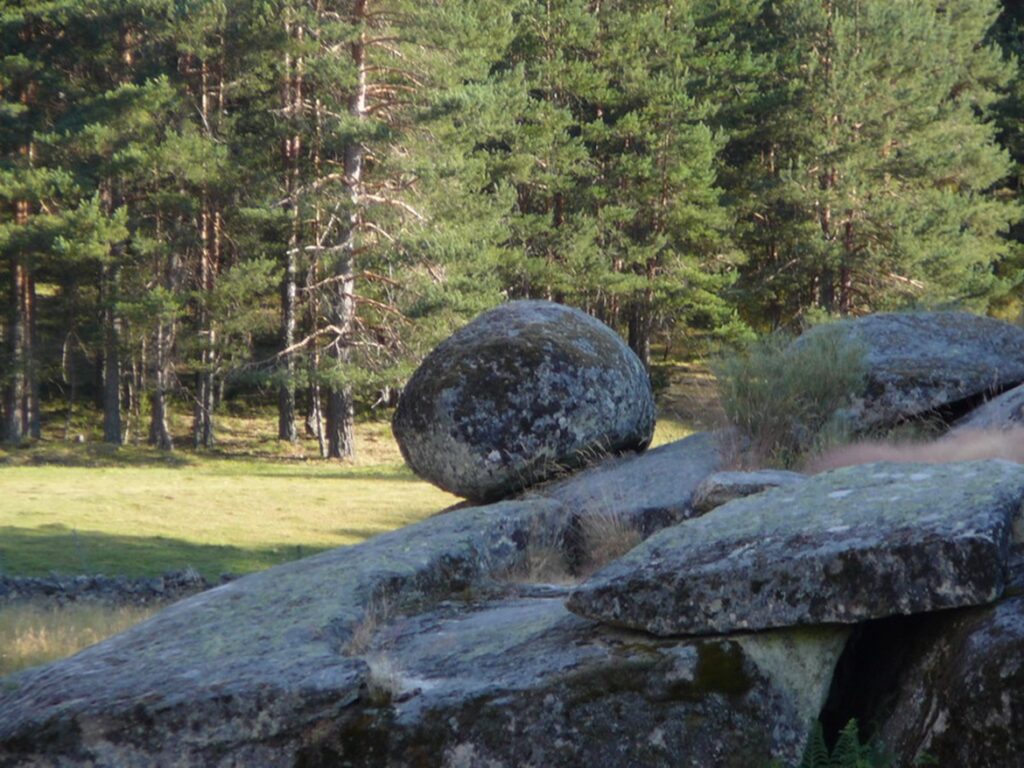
x=921 y=361
x=254 y=672
x=857 y=543
x=960 y=702
x=521 y=393
x=520 y=682
x=244 y=673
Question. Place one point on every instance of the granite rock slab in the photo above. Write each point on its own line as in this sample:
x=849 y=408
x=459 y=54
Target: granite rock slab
x=1005 y=411
x=857 y=543
x=722 y=487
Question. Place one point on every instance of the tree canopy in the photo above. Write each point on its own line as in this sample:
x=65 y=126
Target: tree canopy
x=297 y=198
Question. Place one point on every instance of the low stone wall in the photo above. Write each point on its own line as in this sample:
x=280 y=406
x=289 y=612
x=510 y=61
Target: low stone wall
x=115 y=590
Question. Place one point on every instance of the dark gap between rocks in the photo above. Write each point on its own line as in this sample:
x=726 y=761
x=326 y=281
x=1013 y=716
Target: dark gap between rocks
x=865 y=681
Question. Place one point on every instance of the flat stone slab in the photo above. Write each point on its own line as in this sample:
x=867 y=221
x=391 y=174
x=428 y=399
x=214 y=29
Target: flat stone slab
x=723 y=487
x=513 y=682
x=853 y=544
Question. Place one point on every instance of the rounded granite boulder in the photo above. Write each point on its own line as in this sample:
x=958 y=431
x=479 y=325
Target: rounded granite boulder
x=524 y=392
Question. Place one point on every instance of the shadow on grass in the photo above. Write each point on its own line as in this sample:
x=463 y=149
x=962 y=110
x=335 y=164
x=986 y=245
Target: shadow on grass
x=103 y=456
x=98 y=455
x=69 y=551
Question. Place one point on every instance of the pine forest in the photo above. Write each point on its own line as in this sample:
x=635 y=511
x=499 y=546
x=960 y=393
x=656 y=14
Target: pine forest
x=294 y=200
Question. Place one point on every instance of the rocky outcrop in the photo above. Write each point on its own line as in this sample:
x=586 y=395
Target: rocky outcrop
x=854 y=544
x=888 y=592
x=960 y=700
x=918 y=362
x=523 y=393
x=116 y=590
x=646 y=492
x=722 y=487
x=291 y=665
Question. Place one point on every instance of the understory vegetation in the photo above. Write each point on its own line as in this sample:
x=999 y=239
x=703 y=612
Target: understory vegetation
x=786 y=398
x=33 y=633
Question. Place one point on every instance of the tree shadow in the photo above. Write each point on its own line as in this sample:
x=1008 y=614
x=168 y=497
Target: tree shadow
x=67 y=550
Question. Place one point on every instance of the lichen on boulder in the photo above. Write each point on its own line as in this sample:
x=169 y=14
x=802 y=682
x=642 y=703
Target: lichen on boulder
x=525 y=391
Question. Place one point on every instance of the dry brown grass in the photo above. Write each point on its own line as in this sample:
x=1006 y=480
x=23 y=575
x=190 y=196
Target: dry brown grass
x=377 y=614
x=34 y=633
x=607 y=535
x=963 y=445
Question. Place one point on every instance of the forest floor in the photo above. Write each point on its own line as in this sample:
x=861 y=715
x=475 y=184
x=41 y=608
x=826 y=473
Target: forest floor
x=250 y=503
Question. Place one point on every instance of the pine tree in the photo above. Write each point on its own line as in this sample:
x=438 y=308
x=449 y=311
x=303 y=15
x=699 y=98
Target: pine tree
x=876 y=182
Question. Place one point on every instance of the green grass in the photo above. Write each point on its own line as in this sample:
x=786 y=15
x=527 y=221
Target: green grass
x=138 y=512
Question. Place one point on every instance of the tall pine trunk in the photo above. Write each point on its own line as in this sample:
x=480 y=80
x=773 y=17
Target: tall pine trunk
x=159 y=432
x=291 y=99
x=209 y=263
x=110 y=279
x=16 y=391
x=340 y=406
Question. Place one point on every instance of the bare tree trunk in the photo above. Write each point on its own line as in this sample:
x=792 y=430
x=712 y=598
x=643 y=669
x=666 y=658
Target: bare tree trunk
x=640 y=326
x=340 y=408
x=159 y=432
x=111 y=357
x=202 y=422
x=17 y=332
x=33 y=415
x=292 y=104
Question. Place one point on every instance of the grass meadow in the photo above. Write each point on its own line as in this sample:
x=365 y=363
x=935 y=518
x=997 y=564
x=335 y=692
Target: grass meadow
x=251 y=503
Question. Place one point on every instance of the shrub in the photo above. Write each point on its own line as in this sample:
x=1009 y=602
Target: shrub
x=785 y=396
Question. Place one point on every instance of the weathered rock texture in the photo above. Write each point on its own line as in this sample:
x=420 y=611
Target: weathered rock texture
x=854 y=544
x=274 y=668
x=923 y=361
x=518 y=395
x=722 y=487
x=960 y=701
x=521 y=682
x=116 y=590
x=1003 y=412
x=245 y=673
x=646 y=492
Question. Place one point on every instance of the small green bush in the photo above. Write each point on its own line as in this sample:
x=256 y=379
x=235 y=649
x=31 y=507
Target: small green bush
x=784 y=395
